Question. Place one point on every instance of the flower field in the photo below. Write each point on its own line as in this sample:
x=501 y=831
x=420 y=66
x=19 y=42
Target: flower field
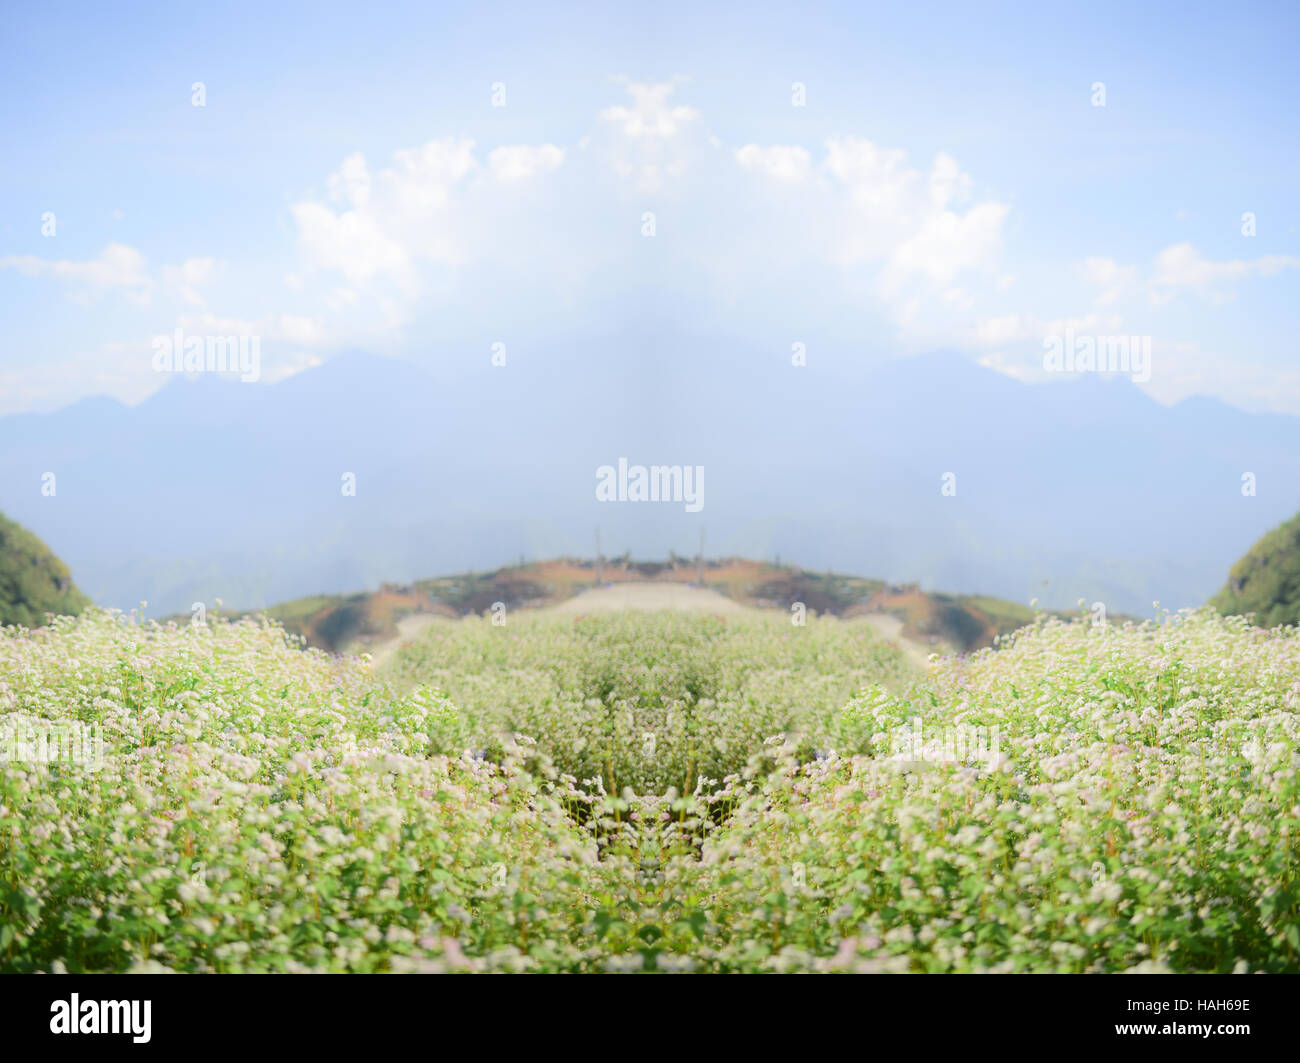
x=651 y=792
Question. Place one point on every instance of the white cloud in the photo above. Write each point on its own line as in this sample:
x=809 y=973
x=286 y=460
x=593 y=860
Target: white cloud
x=1185 y=368
x=949 y=243
x=1000 y=362
x=650 y=117
x=524 y=161
x=290 y=366
x=1183 y=268
x=421 y=179
x=388 y=222
x=881 y=186
x=1005 y=329
x=119 y=267
x=352 y=182
x=645 y=140
x=1090 y=324
x=947 y=182
x=1026 y=332
x=352 y=242
x=188 y=277
x=959 y=298
x=116 y=369
x=1181 y=368
x=912 y=220
x=780 y=162
x=384 y=225
x=372 y=234
x=297 y=329
x=1114 y=280
x=286 y=328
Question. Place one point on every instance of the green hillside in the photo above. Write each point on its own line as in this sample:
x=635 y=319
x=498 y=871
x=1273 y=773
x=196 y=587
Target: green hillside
x=1266 y=581
x=33 y=581
x=958 y=623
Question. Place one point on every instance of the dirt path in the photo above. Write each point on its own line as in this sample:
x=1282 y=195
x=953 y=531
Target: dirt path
x=890 y=628
x=407 y=628
x=648 y=595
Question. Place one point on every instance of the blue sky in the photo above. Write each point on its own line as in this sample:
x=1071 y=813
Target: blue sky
x=948 y=183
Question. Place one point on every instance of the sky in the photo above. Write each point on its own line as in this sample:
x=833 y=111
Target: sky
x=870 y=181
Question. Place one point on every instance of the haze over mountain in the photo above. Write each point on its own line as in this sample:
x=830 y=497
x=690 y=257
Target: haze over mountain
x=217 y=489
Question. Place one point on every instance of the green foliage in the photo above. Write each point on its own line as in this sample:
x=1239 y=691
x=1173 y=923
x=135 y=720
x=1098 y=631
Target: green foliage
x=661 y=792
x=33 y=581
x=648 y=701
x=1266 y=582
x=1006 y=616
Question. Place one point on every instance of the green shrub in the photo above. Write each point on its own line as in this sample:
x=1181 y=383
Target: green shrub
x=492 y=802
x=33 y=582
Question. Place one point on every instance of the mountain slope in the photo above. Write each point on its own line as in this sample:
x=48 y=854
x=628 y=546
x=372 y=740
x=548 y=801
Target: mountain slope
x=1266 y=582
x=33 y=581
x=938 y=622
x=1079 y=489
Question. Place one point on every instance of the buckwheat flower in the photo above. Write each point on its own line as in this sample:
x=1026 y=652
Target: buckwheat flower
x=1149 y=967
x=900 y=935
x=396 y=935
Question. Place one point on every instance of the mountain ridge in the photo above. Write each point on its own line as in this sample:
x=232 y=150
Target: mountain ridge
x=358 y=622
x=232 y=490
